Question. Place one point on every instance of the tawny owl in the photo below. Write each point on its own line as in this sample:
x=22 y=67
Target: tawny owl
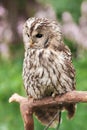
x=47 y=68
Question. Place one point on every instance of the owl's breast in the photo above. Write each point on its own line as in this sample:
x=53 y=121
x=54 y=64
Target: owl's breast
x=37 y=78
x=43 y=73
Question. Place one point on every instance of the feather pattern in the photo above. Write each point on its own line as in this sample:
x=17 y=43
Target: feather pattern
x=47 y=70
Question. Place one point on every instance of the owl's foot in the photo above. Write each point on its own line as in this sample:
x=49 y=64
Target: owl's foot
x=34 y=100
x=37 y=99
x=29 y=97
x=54 y=94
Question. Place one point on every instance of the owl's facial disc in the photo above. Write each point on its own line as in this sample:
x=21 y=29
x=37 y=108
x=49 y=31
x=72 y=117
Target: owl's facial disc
x=39 y=39
x=40 y=33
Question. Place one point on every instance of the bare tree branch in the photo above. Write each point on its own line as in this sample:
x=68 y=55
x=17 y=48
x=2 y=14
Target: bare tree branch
x=27 y=106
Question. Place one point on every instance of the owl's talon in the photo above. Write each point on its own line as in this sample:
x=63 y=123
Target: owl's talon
x=34 y=100
x=53 y=95
x=29 y=97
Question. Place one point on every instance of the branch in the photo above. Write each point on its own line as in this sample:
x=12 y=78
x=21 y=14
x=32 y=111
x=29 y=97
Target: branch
x=27 y=106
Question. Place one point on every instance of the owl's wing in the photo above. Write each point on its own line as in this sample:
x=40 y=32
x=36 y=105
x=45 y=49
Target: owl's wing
x=67 y=52
x=68 y=61
x=71 y=71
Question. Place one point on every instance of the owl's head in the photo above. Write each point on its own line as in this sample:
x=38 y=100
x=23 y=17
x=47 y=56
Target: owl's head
x=41 y=33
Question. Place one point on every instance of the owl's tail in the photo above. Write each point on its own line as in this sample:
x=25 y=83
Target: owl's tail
x=51 y=117
x=58 y=114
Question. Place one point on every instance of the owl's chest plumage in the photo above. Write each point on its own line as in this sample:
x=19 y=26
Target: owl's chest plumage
x=45 y=73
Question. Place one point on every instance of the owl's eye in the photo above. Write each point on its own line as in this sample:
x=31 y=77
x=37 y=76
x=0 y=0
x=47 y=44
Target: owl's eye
x=27 y=34
x=39 y=35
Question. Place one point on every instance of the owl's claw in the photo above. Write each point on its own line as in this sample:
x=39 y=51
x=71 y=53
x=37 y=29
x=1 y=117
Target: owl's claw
x=29 y=96
x=54 y=94
x=34 y=100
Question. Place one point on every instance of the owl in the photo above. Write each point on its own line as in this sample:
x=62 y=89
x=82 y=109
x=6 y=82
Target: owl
x=47 y=67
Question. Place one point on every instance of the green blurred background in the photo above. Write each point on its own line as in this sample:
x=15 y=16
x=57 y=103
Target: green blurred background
x=11 y=69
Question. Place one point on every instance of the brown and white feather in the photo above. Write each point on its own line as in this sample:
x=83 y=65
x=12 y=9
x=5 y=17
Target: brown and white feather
x=47 y=69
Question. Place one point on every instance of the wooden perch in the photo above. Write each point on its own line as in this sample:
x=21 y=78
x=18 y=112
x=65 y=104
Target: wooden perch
x=27 y=106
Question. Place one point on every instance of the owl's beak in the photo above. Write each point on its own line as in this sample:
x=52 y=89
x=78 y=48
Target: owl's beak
x=31 y=43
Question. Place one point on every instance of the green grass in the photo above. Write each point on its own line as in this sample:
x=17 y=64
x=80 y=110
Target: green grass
x=11 y=82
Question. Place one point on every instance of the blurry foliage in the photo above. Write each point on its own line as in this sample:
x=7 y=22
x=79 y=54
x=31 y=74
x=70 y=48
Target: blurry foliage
x=11 y=79
x=61 y=6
